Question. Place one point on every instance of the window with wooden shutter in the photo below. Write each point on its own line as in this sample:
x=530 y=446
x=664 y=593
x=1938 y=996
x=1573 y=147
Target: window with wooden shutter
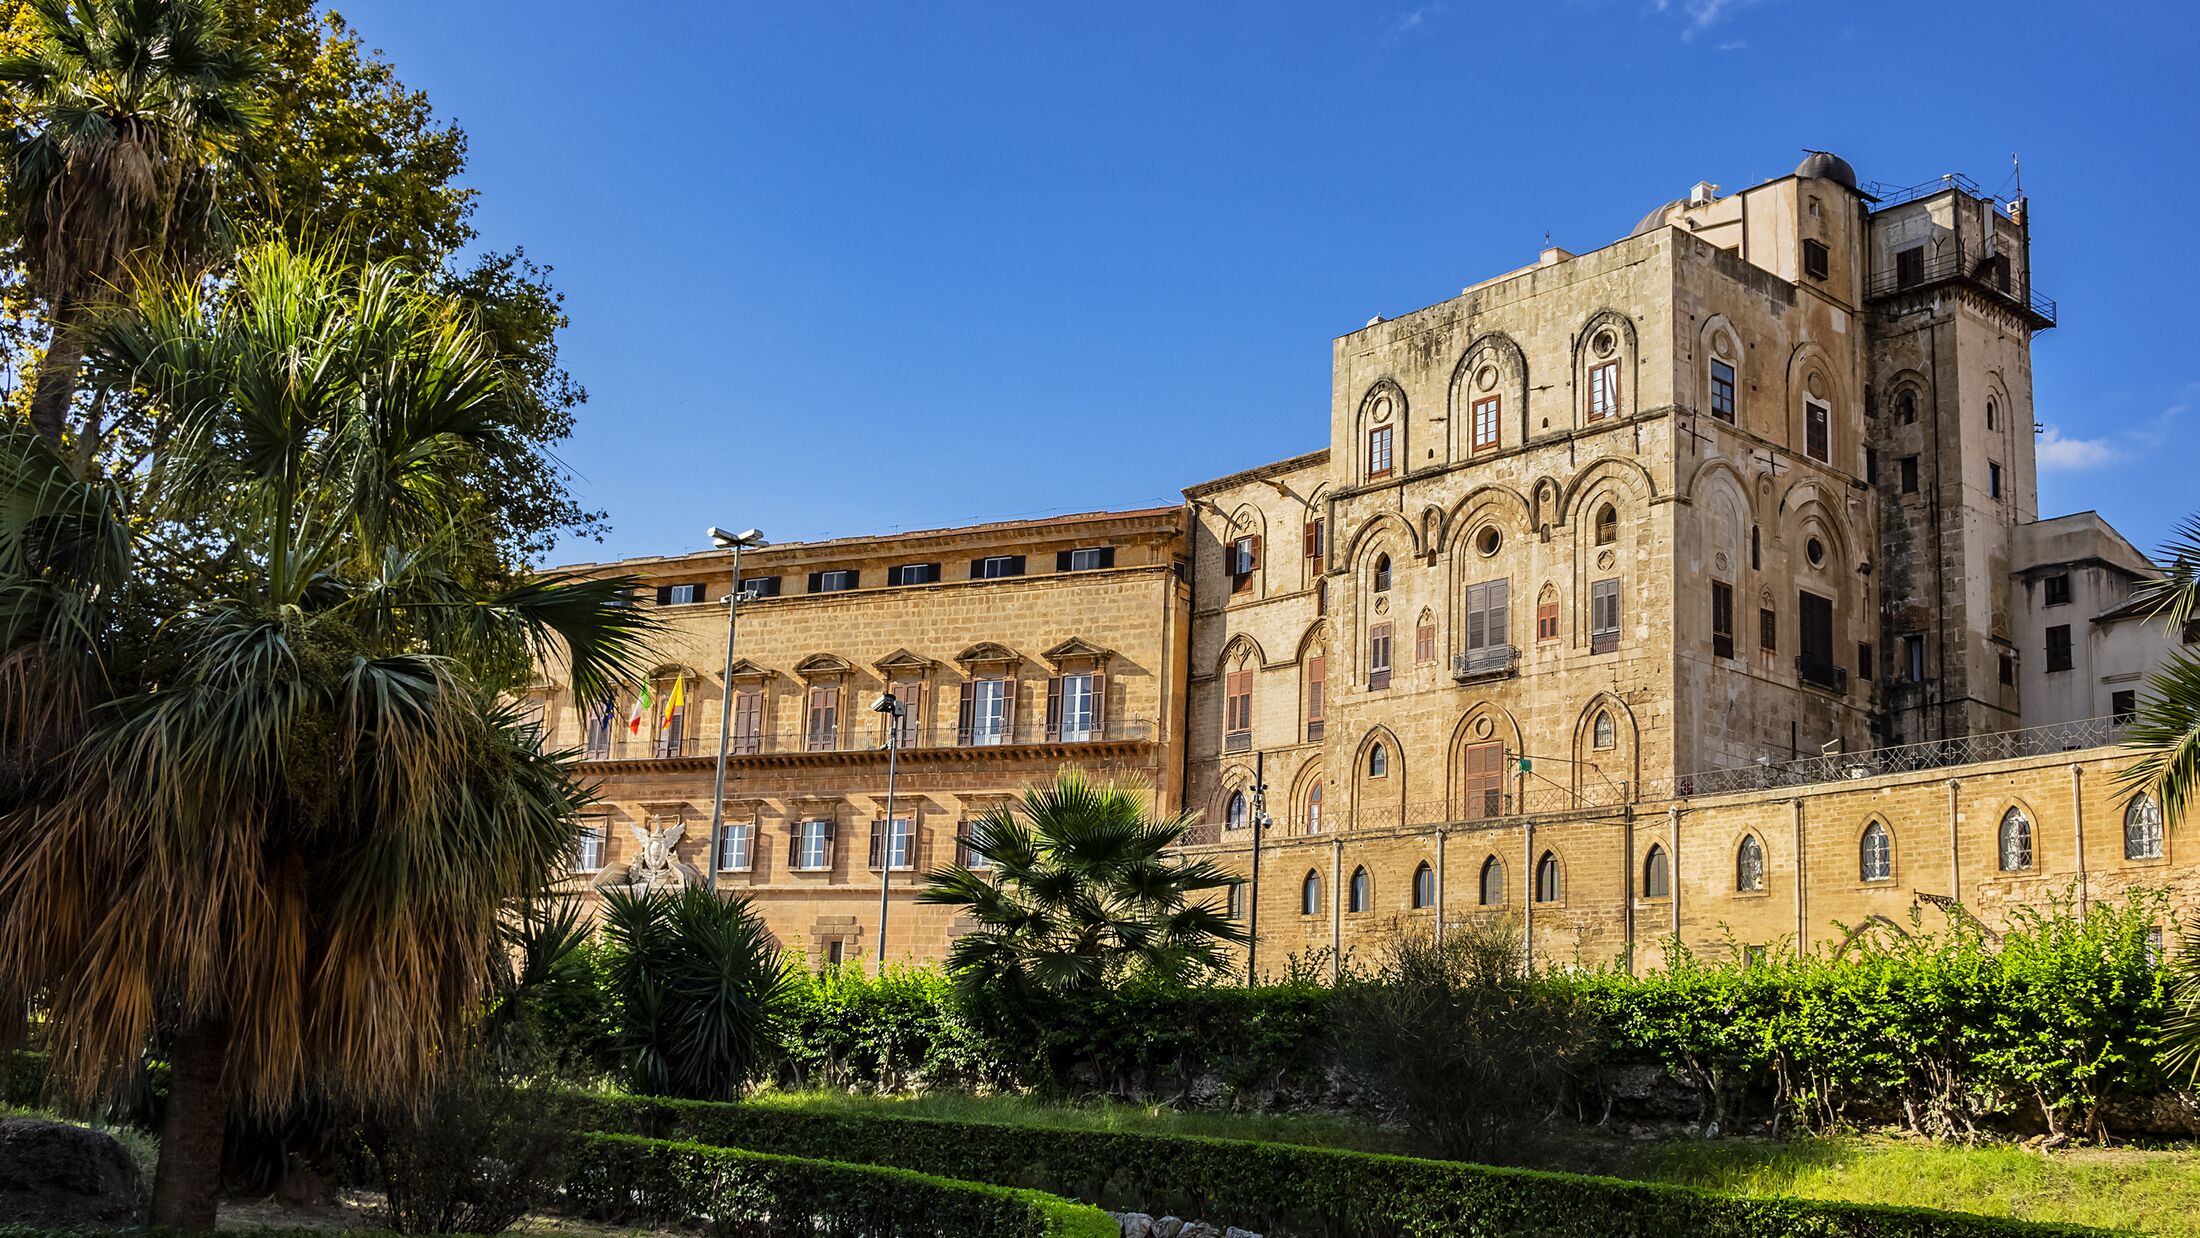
x=1085 y=559
x=1378 y=656
x=753 y=587
x=748 y=724
x=995 y=567
x=824 y=721
x=1314 y=544
x=1603 y=616
x=1244 y=559
x=988 y=709
x=1424 y=642
x=913 y=574
x=1815 y=632
x=901 y=841
x=1817 y=432
x=1237 y=706
x=1768 y=630
x=1485 y=619
x=2059 y=648
x=1546 y=616
x=1484 y=785
x=1485 y=423
x=1317 y=668
x=908 y=729
x=1073 y=708
x=1378 y=453
x=1722 y=619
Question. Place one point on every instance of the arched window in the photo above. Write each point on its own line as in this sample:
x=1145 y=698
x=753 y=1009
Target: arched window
x=1234 y=907
x=1310 y=894
x=1875 y=854
x=1607 y=525
x=1314 y=809
x=1233 y=815
x=1546 y=878
x=1361 y=895
x=1657 y=874
x=1905 y=407
x=1493 y=882
x=1424 y=886
x=1604 y=733
x=2142 y=829
x=2016 y=841
x=1382 y=573
x=1993 y=414
x=1749 y=864
x=1378 y=762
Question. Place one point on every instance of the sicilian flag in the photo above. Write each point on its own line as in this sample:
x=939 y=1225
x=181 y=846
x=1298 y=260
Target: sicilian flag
x=672 y=706
x=641 y=711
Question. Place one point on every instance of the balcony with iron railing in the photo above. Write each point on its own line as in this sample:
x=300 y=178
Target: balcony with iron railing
x=1991 y=274
x=1819 y=673
x=1485 y=663
x=671 y=745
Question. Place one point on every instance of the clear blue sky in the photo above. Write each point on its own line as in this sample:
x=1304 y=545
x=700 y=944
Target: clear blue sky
x=867 y=266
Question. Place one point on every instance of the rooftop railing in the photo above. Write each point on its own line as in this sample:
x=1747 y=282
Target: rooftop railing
x=1900 y=759
x=1961 y=268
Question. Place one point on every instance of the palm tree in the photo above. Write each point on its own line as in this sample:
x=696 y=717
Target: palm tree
x=700 y=989
x=2167 y=726
x=129 y=115
x=1082 y=892
x=268 y=806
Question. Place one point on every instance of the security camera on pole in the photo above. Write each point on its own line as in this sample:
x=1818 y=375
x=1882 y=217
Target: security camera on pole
x=736 y=542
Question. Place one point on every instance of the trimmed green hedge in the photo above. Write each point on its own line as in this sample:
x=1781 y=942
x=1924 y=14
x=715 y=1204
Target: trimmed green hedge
x=1286 y=1189
x=630 y=1180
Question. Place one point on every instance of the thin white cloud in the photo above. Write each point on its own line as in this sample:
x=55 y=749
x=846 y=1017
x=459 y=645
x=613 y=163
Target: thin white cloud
x=1414 y=19
x=2069 y=455
x=1701 y=15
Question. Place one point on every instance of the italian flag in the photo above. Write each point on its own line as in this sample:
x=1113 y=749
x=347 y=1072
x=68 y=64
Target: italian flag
x=641 y=711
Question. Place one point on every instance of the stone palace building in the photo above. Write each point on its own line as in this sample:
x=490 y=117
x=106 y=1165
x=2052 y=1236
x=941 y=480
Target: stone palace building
x=1689 y=588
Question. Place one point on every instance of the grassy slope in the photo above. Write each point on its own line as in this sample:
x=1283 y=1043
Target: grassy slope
x=2154 y=1192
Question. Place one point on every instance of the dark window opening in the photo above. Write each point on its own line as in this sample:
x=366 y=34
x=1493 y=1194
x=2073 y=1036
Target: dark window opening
x=2057 y=589
x=1814 y=259
x=1909 y=474
x=1722 y=619
x=2058 y=648
x=1909 y=267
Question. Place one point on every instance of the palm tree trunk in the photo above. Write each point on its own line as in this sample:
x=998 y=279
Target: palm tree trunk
x=187 y=1184
x=57 y=373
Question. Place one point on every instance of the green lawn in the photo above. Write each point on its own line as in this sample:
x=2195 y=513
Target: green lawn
x=2155 y=1192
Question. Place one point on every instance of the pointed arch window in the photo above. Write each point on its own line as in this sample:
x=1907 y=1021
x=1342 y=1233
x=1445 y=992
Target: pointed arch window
x=1875 y=858
x=1361 y=894
x=1310 y=894
x=1424 y=886
x=1493 y=882
x=1547 y=887
x=1749 y=865
x=1378 y=762
x=1722 y=390
x=1657 y=873
x=1314 y=809
x=1234 y=816
x=1382 y=573
x=1604 y=733
x=1607 y=525
x=2142 y=828
x=2016 y=841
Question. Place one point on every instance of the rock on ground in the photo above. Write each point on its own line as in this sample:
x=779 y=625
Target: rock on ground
x=52 y=1173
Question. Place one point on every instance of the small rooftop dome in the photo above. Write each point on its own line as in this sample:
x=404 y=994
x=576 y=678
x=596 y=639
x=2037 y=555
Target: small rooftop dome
x=1656 y=218
x=1827 y=166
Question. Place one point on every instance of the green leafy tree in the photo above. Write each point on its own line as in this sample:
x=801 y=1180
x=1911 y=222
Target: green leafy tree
x=129 y=117
x=1079 y=891
x=265 y=805
x=700 y=988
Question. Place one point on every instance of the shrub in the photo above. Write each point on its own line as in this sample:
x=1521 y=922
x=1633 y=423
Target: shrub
x=699 y=987
x=1284 y=1189
x=482 y=1155
x=730 y=1191
x=842 y=1028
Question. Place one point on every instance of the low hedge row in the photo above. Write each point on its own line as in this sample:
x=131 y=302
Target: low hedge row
x=1287 y=1189
x=625 y=1179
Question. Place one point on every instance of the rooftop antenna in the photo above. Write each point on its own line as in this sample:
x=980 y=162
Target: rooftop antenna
x=2016 y=167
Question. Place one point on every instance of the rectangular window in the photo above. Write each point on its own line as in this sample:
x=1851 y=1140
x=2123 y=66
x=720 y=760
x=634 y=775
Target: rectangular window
x=588 y=848
x=748 y=724
x=1085 y=559
x=1815 y=262
x=1485 y=423
x=824 y=723
x=1909 y=266
x=1485 y=620
x=1244 y=557
x=1909 y=474
x=2123 y=706
x=907 y=729
x=994 y=567
x=1722 y=391
x=1424 y=643
x=2008 y=671
x=754 y=587
x=1604 y=391
x=1074 y=708
x=985 y=712
x=1722 y=619
x=1993 y=479
x=2057 y=589
x=2058 y=648
x=965 y=854
x=737 y=847
x=813 y=845
x=1378 y=453
x=679 y=595
x=1484 y=785
x=1317 y=670
x=1817 y=432
x=1863 y=659
x=1378 y=656
x=1313 y=549
x=1237 y=709
x=1913 y=658
x=1871 y=466
x=671 y=723
x=1603 y=616
x=913 y=574
x=839 y=581
x=1814 y=635
x=1546 y=618
x=900 y=841
x=1768 y=629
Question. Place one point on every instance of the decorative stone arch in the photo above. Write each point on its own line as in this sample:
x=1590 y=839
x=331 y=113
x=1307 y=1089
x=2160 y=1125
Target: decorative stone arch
x=1612 y=774
x=1916 y=385
x=1380 y=800
x=1236 y=779
x=1873 y=925
x=1405 y=539
x=1863 y=832
x=1316 y=508
x=1493 y=365
x=1310 y=791
x=1487 y=504
x=1383 y=404
x=1612 y=474
x=1719 y=498
x=1544 y=507
x=1812 y=375
x=821 y=667
x=1808 y=511
x=1719 y=340
x=1241 y=652
x=987 y=655
x=1484 y=722
x=1997 y=394
x=1247 y=520
x=1607 y=338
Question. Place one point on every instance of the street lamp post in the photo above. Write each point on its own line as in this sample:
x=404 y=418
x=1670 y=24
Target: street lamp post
x=1252 y=901
x=735 y=542
x=892 y=707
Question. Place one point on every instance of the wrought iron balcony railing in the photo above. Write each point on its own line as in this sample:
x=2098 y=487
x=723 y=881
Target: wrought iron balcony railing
x=1990 y=274
x=1487 y=662
x=1822 y=674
